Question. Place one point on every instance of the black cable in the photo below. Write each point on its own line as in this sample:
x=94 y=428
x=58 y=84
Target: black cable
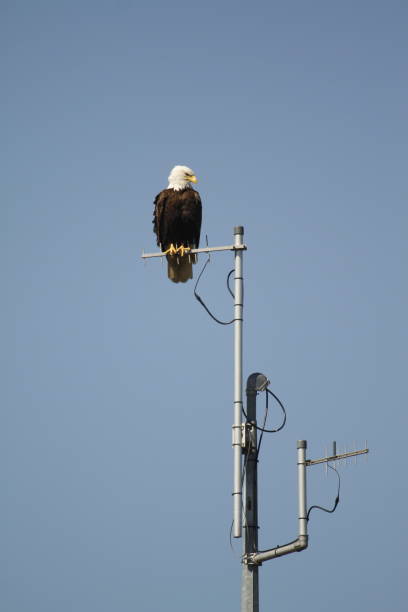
x=202 y=302
x=336 y=502
x=282 y=408
x=230 y=537
x=263 y=426
x=242 y=482
x=284 y=415
x=228 y=285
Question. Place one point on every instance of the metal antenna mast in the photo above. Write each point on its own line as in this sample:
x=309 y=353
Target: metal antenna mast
x=237 y=426
x=252 y=557
x=250 y=581
x=244 y=442
x=238 y=248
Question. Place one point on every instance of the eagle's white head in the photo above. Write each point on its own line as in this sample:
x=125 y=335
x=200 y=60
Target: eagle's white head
x=180 y=177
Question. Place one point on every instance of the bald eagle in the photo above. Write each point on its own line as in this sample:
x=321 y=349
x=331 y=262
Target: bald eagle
x=177 y=223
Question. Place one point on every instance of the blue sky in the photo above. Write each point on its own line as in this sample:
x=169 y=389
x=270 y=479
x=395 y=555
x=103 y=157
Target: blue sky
x=116 y=466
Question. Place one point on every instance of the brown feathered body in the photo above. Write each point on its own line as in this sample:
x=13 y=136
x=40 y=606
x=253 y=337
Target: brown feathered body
x=177 y=221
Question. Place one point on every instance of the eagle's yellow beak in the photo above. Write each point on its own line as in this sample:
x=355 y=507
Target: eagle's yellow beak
x=193 y=179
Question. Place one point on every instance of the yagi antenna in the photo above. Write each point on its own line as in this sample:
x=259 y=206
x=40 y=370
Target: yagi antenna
x=334 y=457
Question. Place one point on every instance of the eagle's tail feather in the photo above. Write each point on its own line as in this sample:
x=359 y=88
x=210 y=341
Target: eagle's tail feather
x=179 y=269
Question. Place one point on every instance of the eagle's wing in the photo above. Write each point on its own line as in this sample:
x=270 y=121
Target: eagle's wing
x=159 y=206
x=197 y=213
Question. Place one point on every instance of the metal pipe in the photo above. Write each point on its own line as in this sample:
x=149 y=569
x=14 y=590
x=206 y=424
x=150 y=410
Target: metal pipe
x=302 y=540
x=250 y=579
x=301 y=449
x=279 y=551
x=236 y=429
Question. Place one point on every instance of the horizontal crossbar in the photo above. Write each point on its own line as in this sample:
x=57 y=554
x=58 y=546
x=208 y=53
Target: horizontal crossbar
x=204 y=250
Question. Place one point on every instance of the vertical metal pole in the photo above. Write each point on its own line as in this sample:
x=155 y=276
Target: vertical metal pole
x=250 y=579
x=301 y=462
x=236 y=428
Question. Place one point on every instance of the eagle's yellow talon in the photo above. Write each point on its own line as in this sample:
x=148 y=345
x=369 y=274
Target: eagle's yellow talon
x=171 y=250
x=182 y=250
